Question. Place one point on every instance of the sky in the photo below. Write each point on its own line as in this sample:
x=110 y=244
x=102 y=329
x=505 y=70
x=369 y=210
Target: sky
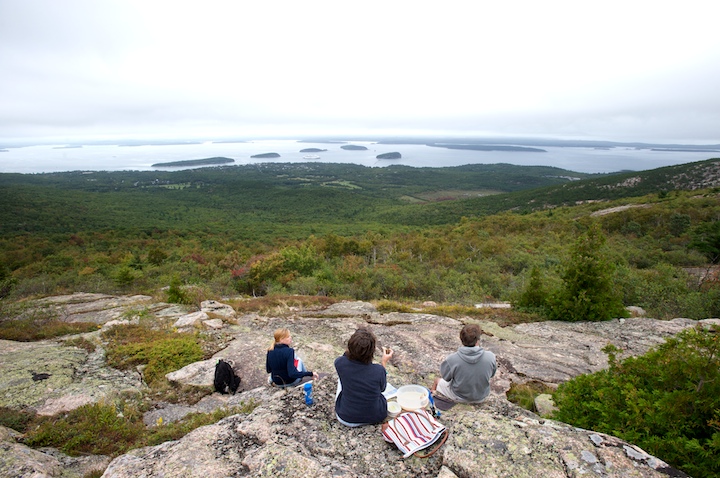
x=608 y=70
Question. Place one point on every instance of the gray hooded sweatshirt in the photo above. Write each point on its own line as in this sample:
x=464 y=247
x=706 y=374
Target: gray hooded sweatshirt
x=469 y=371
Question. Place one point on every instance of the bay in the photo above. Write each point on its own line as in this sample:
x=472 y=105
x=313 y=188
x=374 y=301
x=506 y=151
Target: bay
x=59 y=158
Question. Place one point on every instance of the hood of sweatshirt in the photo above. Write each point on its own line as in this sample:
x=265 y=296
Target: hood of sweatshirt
x=471 y=354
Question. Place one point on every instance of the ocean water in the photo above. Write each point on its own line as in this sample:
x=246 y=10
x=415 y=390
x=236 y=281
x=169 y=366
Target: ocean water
x=49 y=158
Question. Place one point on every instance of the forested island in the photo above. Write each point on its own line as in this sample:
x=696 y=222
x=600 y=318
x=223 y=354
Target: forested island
x=265 y=155
x=194 y=162
x=393 y=155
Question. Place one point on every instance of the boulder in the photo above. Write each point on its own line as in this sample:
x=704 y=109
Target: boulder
x=190 y=320
x=214 y=324
x=218 y=309
x=544 y=405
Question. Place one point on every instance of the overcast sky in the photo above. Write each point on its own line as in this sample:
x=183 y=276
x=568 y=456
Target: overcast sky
x=614 y=70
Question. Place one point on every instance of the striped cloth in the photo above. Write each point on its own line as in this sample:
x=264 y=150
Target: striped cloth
x=412 y=431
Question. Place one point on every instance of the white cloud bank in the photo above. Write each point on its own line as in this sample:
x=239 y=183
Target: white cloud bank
x=623 y=71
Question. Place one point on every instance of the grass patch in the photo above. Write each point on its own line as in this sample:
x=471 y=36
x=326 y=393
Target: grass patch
x=31 y=329
x=502 y=317
x=282 y=304
x=18 y=420
x=524 y=394
x=98 y=429
x=107 y=429
x=160 y=351
x=386 y=306
x=81 y=343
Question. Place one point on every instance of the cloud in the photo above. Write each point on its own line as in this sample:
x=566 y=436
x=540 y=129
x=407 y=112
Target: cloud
x=613 y=69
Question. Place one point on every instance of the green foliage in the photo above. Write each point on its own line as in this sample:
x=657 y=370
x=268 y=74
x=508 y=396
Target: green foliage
x=524 y=394
x=706 y=239
x=535 y=295
x=665 y=292
x=34 y=325
x=587 y=292
x=666 y=401
x=112 y=429
x=176 y=294
x=299 y=232
x=18 y=420
x=160 y=351
x=98 y=429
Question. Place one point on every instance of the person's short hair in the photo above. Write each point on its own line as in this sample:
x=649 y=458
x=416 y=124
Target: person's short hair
x=361 y=346
x=470 y=334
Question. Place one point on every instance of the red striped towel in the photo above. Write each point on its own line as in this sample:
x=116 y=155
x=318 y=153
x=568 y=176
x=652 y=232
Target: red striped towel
x=412 y=431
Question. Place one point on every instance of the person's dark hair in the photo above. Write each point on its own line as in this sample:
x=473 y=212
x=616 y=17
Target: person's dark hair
x=361 y=346
x=470 y=334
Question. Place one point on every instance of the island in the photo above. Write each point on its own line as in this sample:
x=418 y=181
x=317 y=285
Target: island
x=193 y=162
x=353 y=147
x=266 y=155
x=313 y=150
x=490 y=147
x=393 y=155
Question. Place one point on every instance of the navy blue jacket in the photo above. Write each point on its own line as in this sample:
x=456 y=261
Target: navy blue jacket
x=361 y=399
x=280 y=362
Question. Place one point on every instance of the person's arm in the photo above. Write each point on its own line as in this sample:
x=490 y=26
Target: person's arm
x=446 y=371
x=267 y=362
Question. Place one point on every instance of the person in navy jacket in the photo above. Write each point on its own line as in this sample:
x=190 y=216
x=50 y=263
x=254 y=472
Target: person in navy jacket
x=285 y=369
x=359 y=399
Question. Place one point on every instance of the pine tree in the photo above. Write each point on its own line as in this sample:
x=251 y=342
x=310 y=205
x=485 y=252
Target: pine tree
x=587 y=292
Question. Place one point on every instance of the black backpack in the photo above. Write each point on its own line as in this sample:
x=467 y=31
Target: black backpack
x=226 y=381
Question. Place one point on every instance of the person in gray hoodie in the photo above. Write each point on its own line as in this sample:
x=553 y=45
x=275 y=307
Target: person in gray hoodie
x=466 y=373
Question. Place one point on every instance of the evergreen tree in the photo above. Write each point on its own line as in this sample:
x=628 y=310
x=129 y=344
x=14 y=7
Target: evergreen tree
x=587 y=292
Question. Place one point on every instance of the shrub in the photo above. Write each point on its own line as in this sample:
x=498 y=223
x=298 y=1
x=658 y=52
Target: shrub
x=587 y=292
x=18 y=420
x=159 y=357
x=36 y=325
x=666 y=401
x=91 y=429
x=160 y=351
x=176 y=294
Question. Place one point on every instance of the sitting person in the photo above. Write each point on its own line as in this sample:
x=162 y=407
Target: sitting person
x=284 y=368
x=359 y=399
x=466 y=373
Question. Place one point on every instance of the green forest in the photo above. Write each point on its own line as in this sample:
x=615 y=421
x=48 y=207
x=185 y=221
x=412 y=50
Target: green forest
x=556 y=244
x=462 y=235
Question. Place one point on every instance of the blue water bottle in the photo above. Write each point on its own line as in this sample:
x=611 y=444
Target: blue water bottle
x=308 y=394
x=434 y=410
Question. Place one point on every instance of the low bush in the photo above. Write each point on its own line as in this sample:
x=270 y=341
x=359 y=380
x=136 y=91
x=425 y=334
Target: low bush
x=113 y=429
x=666 y=401
x=160 y=351
x=39 y=327
x=98 y=429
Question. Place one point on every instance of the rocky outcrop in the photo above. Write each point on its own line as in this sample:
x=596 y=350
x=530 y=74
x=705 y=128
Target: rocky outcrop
x=284 y=437
x=17 y=460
